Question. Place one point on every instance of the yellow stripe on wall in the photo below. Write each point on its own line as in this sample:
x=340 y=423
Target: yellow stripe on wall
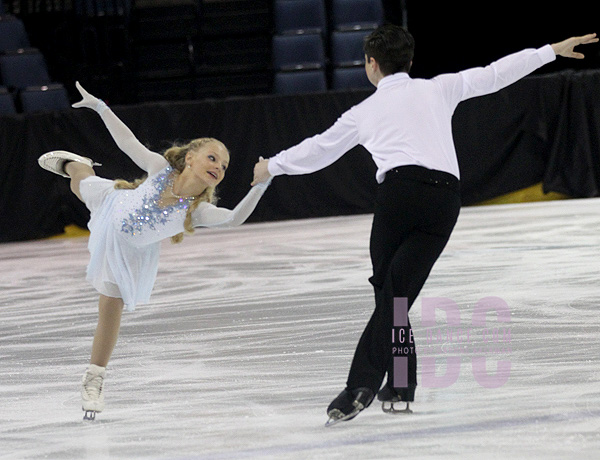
x=72 y=231
x=525 y=195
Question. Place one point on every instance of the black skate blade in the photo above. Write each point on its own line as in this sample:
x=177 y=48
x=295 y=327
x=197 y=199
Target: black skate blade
x=89 y=415
x=392 y=410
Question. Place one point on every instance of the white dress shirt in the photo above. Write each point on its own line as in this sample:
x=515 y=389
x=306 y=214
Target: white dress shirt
x=408 y=121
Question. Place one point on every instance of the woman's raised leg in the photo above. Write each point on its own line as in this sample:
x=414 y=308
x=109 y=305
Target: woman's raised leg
x=77 y=172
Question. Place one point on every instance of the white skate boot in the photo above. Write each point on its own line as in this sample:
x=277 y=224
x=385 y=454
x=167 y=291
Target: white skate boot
x=92 y=397
x=55 y=161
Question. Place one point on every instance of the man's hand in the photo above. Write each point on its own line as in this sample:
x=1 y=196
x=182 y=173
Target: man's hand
x=261 y=172
x=565 y=48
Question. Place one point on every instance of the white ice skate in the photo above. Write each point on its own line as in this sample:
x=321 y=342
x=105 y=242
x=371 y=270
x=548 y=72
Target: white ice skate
x=55 y=161
x=92 y=397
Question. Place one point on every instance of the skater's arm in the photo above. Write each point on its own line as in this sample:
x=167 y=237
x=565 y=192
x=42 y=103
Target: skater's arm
x=480 y=81
x=503 y=72
x=314 y=153
x=147 y=160
x=144 y=158
x=208 y=215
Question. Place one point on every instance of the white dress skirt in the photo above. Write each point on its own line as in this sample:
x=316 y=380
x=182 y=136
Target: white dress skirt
x=126 y=227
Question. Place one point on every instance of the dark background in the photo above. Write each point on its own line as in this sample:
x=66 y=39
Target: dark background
x=545 y=128
x=452 y=36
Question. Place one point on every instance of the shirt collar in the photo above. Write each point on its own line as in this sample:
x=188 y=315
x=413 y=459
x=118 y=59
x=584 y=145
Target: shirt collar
x=391 y=79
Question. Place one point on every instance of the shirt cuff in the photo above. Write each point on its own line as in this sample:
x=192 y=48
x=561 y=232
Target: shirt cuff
x=546 y=54
x=274 y=168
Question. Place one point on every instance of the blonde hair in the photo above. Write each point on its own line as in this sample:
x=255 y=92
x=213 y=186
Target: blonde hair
x=175 y=155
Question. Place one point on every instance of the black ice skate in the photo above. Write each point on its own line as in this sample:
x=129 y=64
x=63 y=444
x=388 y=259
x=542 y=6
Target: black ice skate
x=388 y=395
x=348 y=404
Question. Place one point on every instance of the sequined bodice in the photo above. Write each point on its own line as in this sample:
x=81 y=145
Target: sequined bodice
x=141 y=214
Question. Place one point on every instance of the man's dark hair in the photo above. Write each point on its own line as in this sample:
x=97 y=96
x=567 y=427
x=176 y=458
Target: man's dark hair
x=393 y=47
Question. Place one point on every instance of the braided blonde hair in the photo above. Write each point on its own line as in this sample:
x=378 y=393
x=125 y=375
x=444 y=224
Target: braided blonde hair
x=175 y=155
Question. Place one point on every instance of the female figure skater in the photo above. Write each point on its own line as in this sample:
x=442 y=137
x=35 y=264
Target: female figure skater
x=128 y=221
x=406 y=126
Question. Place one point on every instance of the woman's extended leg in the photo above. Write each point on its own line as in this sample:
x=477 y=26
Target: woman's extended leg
x=107 y=332
x=105 y=338
x=77 y=172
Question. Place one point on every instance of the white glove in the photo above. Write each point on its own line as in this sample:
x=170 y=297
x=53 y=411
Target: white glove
x=89 y=101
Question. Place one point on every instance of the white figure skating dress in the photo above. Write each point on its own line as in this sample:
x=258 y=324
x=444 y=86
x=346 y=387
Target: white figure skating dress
x=127 y=226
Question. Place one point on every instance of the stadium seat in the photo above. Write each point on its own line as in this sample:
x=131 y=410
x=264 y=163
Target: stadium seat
x=44 y=98
x=300 y=16
x=12 y=34
x=7 y=103
x=100 y=8
x=304 y=51
x=347 y=48
x=300 y=81
x=350 y=77
x=22 y=68
x=356 y=14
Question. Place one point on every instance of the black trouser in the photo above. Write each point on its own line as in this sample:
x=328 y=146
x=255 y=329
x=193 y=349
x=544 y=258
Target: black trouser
x=415 y=212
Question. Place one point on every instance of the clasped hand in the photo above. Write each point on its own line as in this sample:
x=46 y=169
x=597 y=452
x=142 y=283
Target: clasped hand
x=261 y=172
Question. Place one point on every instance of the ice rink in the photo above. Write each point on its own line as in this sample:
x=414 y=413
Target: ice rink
x=250 y=333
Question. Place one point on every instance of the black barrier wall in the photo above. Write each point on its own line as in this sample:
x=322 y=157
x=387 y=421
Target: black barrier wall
x=543 y=128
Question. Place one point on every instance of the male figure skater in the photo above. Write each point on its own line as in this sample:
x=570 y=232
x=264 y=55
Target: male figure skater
x=406 y=126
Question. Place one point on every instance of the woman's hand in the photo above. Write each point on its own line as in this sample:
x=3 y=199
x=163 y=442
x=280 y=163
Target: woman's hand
x=88 y=100
x=565 y=48
x=261 y=171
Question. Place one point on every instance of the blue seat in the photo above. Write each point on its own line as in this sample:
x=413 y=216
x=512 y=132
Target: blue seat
x=300 y=81
x=347 y=48
x=7 y=103
x=304 y=51
x=300 y=16
x=12 y=34
x=44 y=98
x=357 y=14
x=350 y=77
x=101 y=8
x=22 y=68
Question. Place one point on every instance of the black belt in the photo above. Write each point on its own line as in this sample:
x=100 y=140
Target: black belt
x=428 y=176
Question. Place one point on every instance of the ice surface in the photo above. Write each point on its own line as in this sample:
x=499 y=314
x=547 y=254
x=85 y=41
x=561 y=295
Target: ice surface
x=251 y=330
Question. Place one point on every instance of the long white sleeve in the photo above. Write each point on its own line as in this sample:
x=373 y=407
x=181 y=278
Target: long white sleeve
x=408 y=121
x=147 y=160
x=317 y=152
x=480 y=81
x=209 y=215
